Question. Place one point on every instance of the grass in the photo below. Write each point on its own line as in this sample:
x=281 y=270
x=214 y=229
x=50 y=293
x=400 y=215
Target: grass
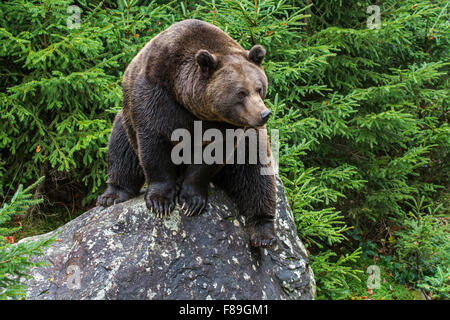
x=40 y=222
x=389 y=289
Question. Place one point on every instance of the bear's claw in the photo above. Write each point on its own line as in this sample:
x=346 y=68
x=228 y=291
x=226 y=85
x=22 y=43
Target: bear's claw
x=160 y=199
x=193 y=201
x=113 y=195
x=262 y=235
x=260 y=241
x=193 y=206
x=162 y=209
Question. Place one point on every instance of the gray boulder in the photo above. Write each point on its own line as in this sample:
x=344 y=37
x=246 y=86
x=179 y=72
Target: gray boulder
x=125 y=252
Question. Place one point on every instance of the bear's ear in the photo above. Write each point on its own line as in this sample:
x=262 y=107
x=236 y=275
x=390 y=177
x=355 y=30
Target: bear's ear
x=256 y=54
x=206 y=60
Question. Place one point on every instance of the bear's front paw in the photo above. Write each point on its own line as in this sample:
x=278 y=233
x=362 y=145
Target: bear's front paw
x=160 y=198
x=262 y=235
x=192 y=199
x=112 y=195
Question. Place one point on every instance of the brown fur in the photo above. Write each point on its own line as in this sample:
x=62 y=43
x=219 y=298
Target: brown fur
x=190 y=71
x=172 y=54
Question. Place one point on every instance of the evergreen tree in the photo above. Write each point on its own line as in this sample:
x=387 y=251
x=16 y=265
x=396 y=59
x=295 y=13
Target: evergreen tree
x=15 y=260
x=362 y=112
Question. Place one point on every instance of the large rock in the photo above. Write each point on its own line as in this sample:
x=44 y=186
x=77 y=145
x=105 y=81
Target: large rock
x=125 y=252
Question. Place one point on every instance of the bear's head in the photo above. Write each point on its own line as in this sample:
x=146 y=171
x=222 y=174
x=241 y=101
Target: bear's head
x=236 y=86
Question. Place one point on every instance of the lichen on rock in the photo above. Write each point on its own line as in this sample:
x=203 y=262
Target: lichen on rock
x=126 y=252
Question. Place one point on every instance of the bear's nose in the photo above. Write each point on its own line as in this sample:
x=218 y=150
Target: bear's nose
x=265 y=115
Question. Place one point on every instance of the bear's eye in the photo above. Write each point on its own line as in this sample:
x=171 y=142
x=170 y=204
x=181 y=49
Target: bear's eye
x=259 y=91
x=242 y=94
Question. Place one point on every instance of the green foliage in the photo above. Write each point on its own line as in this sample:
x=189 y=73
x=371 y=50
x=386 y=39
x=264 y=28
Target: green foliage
x=333 y=277
x=423 y=248
x=63 y=85
x=362 y=113
x=438 y=284
x=389 y=288
x=15 y=258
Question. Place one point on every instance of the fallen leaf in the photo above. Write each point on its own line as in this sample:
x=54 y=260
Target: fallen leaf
x=10 y=239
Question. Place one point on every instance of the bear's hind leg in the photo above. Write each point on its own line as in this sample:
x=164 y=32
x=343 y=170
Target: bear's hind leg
x=125 y=175
x=255 y=198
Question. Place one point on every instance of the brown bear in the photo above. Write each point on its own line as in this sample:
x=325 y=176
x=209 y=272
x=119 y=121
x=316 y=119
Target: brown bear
x=193 y=71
